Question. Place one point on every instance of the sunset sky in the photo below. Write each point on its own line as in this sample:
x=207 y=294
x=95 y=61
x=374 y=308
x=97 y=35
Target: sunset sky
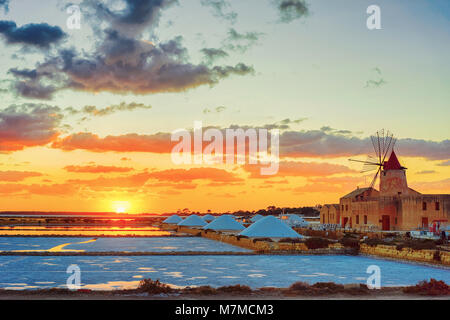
x=86 y=114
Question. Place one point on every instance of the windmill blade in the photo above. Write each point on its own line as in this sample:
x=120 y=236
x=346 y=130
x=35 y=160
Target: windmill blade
x=365 y=162
x=370 y=164
x=375 y=178
x=387 y=149
x=392 y=142
x=379 y=150
x=375 y=146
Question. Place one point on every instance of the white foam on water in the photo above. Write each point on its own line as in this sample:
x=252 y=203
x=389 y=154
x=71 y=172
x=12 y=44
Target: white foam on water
x=256 y=275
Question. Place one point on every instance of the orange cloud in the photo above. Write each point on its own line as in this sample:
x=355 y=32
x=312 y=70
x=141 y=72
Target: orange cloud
x=38 y=189
x=130 y=181
x=172 y=178
x=14 y=176
x=28 y=125
x=212 y=174
x=156 y=143
x=300 y=169
x=96 y=169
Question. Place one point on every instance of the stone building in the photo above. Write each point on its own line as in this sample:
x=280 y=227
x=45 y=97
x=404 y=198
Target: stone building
x=330 y=214
x=394 y=207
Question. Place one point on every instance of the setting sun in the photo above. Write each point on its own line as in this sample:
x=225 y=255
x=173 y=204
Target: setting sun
x=121 y=206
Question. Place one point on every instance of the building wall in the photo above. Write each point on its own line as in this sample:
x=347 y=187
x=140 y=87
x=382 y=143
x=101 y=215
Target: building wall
x=364 y=213
x=353 y=209
x=395 y=213
x=414 y=213
x=389 y=208
x=393 y=183
x=329 y=214
x=346 y=208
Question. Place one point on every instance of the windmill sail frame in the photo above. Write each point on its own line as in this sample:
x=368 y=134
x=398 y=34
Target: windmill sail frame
x=383 y=143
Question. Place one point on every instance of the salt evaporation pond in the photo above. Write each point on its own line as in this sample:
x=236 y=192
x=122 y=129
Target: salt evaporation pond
x=156 y=244
x=109 y=272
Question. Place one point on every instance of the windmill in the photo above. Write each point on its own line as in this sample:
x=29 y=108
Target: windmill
x=383 y=143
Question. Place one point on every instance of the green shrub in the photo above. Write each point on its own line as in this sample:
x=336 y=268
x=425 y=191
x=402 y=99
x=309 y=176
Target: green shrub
x=203 y=290
x=350 y=242
x=290 y=240
x=317 y=243
x=425 y=244
x=153 y=287
x=432 y=288
x=262 y=239
x=329 y=287
x=235 y=289
x=373 y=242
x=299 y=286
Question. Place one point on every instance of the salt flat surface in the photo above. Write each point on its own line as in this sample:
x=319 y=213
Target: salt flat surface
x=156 y=244
x=29 y=272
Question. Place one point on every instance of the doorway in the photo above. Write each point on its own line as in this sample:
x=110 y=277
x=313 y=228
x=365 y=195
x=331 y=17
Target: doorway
x=385 y=223
x=424 y=222
x=344 y=222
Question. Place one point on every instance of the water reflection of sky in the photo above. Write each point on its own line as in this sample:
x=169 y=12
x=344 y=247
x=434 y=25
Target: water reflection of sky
x=93 y=231
x=256 y=271
x=154 y=244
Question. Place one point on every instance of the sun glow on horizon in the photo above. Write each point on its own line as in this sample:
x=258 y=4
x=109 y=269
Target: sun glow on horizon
x=121 y=206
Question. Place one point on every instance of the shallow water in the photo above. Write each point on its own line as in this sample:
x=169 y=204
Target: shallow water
x=154 y=244
x=88 y=231
x=256 y=271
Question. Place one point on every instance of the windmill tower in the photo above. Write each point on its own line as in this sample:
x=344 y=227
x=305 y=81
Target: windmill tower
x=393 y=178
x=392 y=174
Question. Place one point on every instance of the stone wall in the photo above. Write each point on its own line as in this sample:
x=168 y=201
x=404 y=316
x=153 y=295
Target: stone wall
x=263 y=246
x=335 y=235
x=428 y=256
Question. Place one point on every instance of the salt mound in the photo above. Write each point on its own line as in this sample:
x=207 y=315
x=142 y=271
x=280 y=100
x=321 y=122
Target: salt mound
x=294 y=220
x=174 y=219
x=270 y=227
x=192 y=221
x=208 y=218
x=256 y=218
x=225 y=222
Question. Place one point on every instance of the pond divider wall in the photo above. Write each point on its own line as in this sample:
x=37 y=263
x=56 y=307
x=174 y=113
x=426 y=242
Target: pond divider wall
x=262 y=246
x=425 y=256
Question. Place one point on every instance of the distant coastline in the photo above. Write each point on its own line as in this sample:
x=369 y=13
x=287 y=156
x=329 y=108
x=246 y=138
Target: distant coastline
x=78 y=214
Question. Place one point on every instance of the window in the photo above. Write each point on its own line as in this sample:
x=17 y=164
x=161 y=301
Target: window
x=424 y=206
x=357 y=219
x=395 y=220
x=365 y=219
x=437 y=206
x=346 y=207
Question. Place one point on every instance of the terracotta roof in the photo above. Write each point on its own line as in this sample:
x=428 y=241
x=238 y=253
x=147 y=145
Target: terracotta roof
x=392 y=163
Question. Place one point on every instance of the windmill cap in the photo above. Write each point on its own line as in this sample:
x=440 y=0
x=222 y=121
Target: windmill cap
x=393 y=163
